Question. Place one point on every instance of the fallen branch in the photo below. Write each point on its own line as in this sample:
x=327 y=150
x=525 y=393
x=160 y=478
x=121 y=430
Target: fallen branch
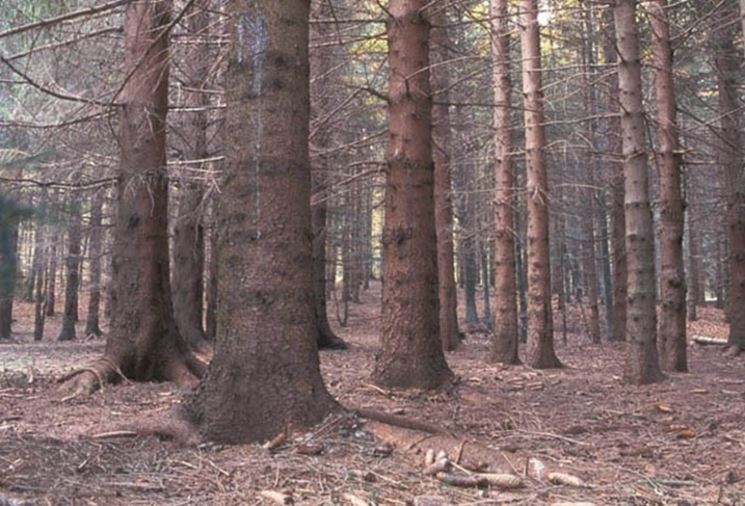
x=704 y=340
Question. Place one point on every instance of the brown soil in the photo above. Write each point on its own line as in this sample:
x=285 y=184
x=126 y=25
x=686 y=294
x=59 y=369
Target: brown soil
x=681 y=442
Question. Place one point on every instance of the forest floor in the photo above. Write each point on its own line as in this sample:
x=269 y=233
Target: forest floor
x=681 y=442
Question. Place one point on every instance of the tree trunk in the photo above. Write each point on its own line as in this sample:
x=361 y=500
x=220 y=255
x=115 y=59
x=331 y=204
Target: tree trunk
x=642 y=365
x=411 y=354
x=440 y=80
x=727 y=64
x=143 y=343
x=504 y=309
x=266 y=311
x=672 y=327
x=72 y=278
x=8 y=270
x=92 y=323
x=39 y=267
x=617 y=332
x=51 y=276
x=187 y=279
x=212 y=277
x=694 y=262
x=540 y=353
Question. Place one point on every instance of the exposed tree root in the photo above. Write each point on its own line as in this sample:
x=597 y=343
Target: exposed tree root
x=170 y=425
x=733 y=350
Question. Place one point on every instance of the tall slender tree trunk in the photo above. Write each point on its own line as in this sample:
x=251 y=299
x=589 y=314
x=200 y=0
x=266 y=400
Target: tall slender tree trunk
x=642 y=365
x=672 y=328
x=40 y=259
x=92 y=320
x=617 y=331
x=72 y=276
x=440 y=79
x=321 y=67
x=187 y=279
x=143 y=343
x=51 y=276
x=504 y=308
x=694 y=262
x=541 y=353
x=727 y=64
x=212 y=276
x=266 y=311
x=411 y=354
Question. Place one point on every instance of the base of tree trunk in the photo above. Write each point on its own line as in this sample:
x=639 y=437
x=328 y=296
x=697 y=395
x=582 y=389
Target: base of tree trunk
x=183 y=371
x=331 y=342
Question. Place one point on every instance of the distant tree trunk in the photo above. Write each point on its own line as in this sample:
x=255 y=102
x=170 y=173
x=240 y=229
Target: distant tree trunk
x=505 y=335
x=727 y=64
x=440 y=79
x=51 y=276
x=522 y=296
x=411 y=354
x=672 y=328
x=266 y=309
x=72 y=277
x=694 y=263
x=617 y=332
x=143 y=343
x=642 y=365
x=187 y=280
x=39 y=268
x=212 y=277
x=8 y=273
x=540 y=353
x=484 y=257
x=321 y=66
x=92 y=325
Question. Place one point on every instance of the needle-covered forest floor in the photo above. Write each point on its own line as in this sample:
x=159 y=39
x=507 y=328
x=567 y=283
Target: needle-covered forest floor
x=681 y=442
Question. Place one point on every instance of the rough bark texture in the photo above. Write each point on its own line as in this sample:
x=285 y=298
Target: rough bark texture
x=144 y=343
x=617 y=332
x=39 y=267
x=72 y=277
x=212 y=270
x=672 y=325
x=642 y=365
x=727 y=64
x=187 y=278
x=92 y=320
x=411 y=354
x=321 y=66
x=694 y=261
x=265 y=376
x=440 y=79
x=540 y=353
x=504 y=310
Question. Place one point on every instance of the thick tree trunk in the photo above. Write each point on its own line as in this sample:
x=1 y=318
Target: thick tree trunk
x=642 y=365
x=92 y=320
x=540 y=353
x=504 y=309
x=440 y=79
x=727 y=64
x=143 y=343
x=411 y=354
x=72 y=277
x=617 y=332
x=672 y=327
x=266 y=305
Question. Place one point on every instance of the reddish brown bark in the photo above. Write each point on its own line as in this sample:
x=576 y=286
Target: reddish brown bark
x=540 y=352
x=727 y=64
x=672 y=325
x=265 y=376
x=144 y=343
x=642 y=365
x=411 y=354
x=505 y=336
x=440 y=81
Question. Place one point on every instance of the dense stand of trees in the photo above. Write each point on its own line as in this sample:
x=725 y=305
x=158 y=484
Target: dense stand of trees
x=240 y=172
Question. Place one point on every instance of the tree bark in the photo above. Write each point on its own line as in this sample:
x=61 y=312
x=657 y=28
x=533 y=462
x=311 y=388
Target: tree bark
x=51 y=276
x=642 y=365
x=8 y=268
x=504 y=347
x=440 y=81
x=266 y=313
x=540 y=353
x=411 y=354
x=40 y=260
x=672 y=327
x=727 y=64
x=72 y=276
x=92 y=320
x=144 y=343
